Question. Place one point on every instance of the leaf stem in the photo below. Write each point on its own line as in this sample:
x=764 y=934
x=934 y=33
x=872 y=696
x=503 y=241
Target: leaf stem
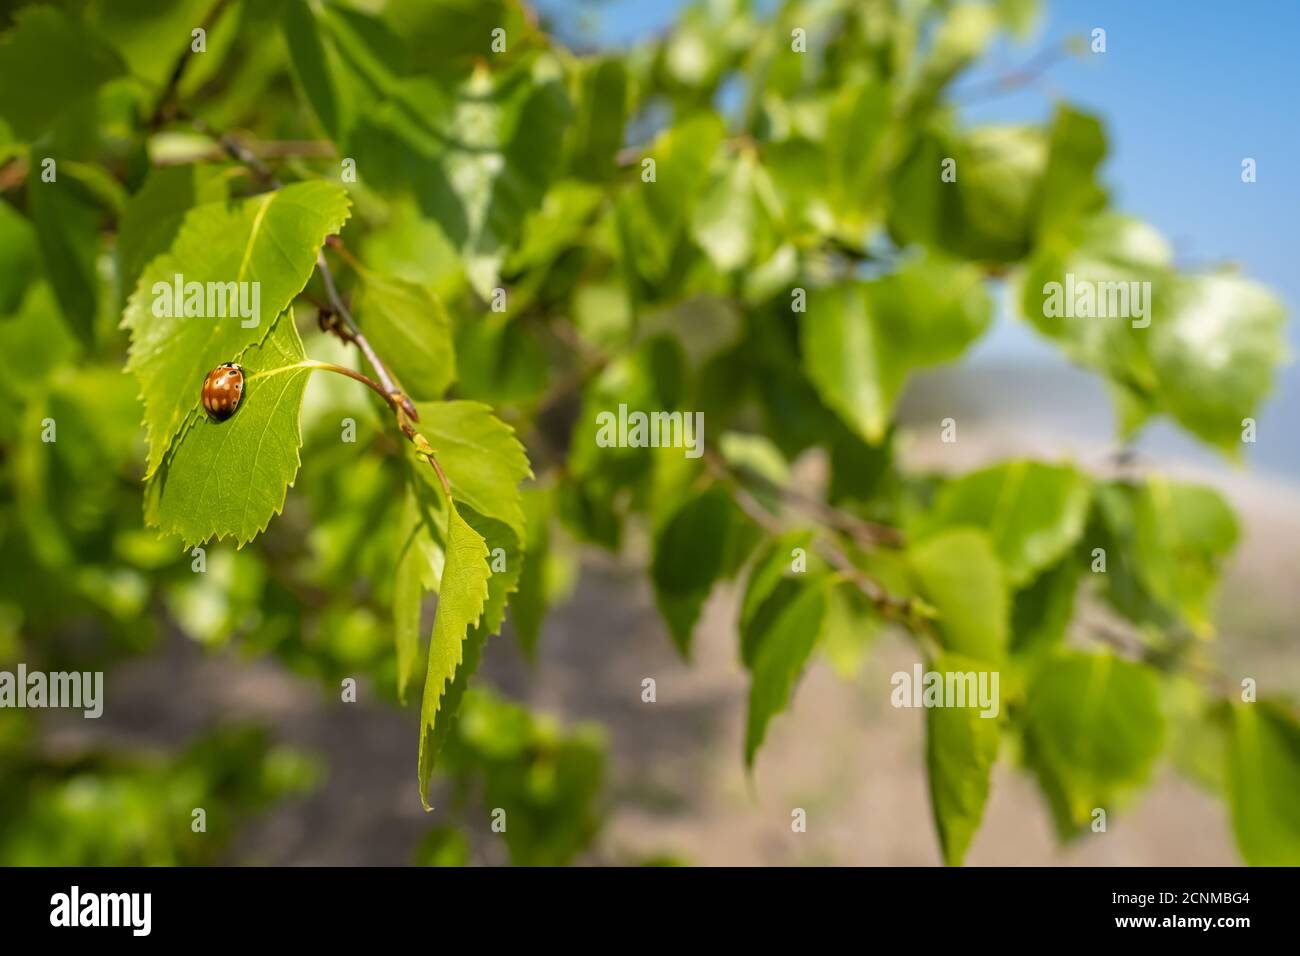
x=902 y=610
x=361 y=377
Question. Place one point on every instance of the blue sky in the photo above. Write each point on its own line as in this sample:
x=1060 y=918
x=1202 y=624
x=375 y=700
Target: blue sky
x=1187 y=89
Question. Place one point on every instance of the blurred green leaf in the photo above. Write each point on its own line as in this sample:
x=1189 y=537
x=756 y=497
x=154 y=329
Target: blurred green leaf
x=409 y=327
x=783 y=651
x=1263 y=773
x=961 y=745
x=318 y=70
x=33 y=94
x=1093 y=727
x=958 y=572
x=1033 y=512
x=689 y=556
x=861 y=340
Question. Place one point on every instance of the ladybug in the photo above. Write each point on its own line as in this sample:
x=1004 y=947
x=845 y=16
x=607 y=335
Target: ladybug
x=223 y=390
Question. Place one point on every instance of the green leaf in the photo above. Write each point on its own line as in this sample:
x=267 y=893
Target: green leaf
x=153 y=216
x=505 y=558
x=960 y=748
x=1216 y=353
x=1160 y=358
x=462 y=598
x=782 y=653
x=725 y=220
x=1263 y=774
x=988 y=212
x=413 y=567
x=1069 y=191
x=773 y=582
x=690 y=552
x=481 y=457
x=450 y=34
x=19 y=265
x=500 y=361
x=49 y=64
x=1165 y=544
x=601 y=113
x=408 y=326
x=1181 y=535
x=317 y=69
x=67 y=223
x=1105 y=248
x=961 y=37
x=477 y=161
x=654 y=214
x=230 y=478
x=33 y=343
x=150 y=36
x=958 y=572
x=1042 y=609
x=860 y=341
x=272 y=240
x=851 y=628
x=1033 y=512
x=529 y=606
x=855 y=140
x=1093 y=728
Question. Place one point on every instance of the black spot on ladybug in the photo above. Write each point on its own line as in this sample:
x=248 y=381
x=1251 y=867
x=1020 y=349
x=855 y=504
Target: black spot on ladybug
x=222 y=391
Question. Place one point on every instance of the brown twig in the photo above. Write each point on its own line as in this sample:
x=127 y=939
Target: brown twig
x=901 y=610
x=866 y=534
x=167 y=99
x=1023 y=76
x=280 y=149
x=1125 y=639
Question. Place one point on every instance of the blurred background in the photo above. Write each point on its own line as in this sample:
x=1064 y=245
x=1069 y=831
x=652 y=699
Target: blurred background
x=291 y=775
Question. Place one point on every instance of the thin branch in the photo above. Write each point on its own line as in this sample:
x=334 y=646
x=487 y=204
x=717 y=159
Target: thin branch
x=13 y=174
x=277 y=149
x=1129 y=641
x=354 y=335
x=1028 y=74
x=353 y=374
x=866 y=534
x=167 y=99
x=901 y=610
x=904 y=611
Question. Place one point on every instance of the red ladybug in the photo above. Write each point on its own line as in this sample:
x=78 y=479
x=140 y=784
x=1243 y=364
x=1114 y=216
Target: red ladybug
x=223 y=390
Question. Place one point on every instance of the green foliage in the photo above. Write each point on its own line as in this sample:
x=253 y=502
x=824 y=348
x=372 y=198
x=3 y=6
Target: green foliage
x=1093 y=727
x=462 y=594
x=547 y=781
x=101 y=809
x=533 y=238
x=406 y=321
x=784 y=637
x=32 y=95
x=689 y=556
x=1033 y=512
x=960 y=748
x=959 y=574
x=860 y=341
x=1263 y=771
